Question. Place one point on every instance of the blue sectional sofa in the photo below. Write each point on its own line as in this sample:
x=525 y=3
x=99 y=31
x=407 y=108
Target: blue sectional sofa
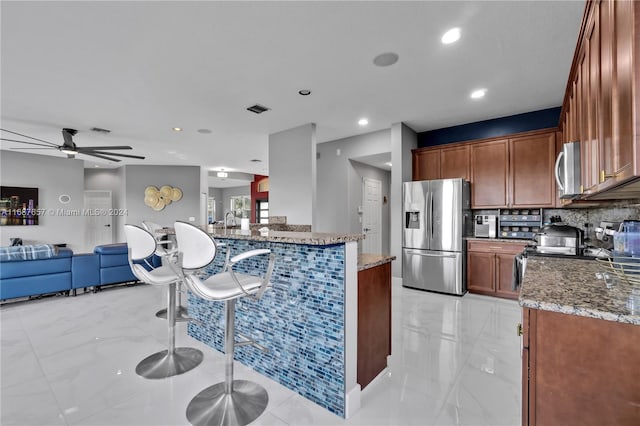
x=66 y=272
x=20 y=278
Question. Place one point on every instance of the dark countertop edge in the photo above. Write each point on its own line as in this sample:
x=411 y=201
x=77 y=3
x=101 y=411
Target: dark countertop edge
x=368 y=260
x=290 y=237
x=581 y=312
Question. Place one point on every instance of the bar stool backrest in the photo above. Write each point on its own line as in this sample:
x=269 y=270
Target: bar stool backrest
x=198 y=249
x=141 y=245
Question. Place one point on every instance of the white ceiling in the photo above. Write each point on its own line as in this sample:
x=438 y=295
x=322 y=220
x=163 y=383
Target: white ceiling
x=141 y=68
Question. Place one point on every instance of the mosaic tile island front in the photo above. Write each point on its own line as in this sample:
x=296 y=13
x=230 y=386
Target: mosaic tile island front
x=307 y=320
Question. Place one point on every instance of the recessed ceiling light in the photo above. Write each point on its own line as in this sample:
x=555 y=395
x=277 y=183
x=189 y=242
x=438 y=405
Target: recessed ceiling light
x=451 y=36
x=304 y=92
x=363 y=122
x=477 y=94
x=177 y=129
x=95 y=165
x=204 y=131
x=222 y=174
x=386 y=59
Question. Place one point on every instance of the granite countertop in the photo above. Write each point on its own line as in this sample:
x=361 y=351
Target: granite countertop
x=368 y=260
x=309 y=238
x=570 y=286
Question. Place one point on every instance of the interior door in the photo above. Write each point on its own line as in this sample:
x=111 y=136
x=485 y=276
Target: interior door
x=371 y=215
x=98 y=218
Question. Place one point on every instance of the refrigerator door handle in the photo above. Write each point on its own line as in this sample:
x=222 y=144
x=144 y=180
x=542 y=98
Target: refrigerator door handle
x=421 y=253
x=430 y=218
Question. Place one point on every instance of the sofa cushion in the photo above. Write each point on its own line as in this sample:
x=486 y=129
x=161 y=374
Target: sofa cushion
x=27 y=268
x=35 y=284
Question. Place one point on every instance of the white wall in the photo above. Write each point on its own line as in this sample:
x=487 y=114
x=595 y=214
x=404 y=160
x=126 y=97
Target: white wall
x=403 y=140
x=336 y=177
x=53 y=177
x=138 y=177
x=292 y=174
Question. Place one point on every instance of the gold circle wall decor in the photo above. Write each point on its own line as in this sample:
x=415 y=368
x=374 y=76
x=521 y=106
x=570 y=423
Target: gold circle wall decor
x=158 y=199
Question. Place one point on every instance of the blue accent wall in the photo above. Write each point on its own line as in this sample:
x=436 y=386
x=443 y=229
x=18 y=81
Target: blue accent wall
x=535 y=120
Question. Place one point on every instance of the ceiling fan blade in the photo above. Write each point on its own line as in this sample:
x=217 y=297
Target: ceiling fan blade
x=48 y=147
x=100 y=148
x=99 y=156
x=112 y=153
x=29 y=143
x=25 y=136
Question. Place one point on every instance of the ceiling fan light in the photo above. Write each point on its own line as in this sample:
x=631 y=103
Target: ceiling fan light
x=222 y=174
x=68 y=151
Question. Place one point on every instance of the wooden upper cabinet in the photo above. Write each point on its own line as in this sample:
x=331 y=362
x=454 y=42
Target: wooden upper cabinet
x=602 y=101
x=489 y=174
x=426 y=164
x=454 y=162
x=622 y=105
x=532 y=159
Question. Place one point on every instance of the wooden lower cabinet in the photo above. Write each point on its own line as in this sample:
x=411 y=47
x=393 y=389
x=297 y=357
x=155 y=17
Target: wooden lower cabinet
x=374 y=322
x=579 y=370
x=490 y=267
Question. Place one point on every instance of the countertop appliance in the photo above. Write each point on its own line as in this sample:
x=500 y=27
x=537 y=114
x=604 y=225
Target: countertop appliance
x=436 y=216
x=558 y=238
x=567 y=170
x=484 y=225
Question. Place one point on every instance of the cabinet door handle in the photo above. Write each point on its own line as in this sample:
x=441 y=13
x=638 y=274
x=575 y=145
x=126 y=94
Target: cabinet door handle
x=519 y=330
x=495 y=247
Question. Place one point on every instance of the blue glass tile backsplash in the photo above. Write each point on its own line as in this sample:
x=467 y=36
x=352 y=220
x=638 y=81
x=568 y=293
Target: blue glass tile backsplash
x=300 y=320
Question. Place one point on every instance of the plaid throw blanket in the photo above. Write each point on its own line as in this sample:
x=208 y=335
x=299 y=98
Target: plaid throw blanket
x=41 y=251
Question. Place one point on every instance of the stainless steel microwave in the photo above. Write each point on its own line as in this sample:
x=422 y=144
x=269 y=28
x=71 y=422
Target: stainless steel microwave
x=567 y=171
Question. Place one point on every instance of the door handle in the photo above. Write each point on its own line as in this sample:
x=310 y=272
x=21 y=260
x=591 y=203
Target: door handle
x=108 y=226
x=417 y=253
x=366 y=229
x=557 y=171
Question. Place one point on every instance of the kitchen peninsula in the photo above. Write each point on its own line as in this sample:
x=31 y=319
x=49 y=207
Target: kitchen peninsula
x=308 y=320
x=581 y=345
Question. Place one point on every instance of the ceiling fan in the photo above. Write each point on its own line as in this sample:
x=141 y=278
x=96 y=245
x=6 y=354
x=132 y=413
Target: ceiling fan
x=71 y=149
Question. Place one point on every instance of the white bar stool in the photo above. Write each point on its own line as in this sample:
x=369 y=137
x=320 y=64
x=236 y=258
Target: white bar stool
x=165 y=249
x=172 y=361
x=232 y=402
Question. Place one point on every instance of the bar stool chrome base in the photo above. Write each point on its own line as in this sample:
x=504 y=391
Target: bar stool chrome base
x=182 y=314
x=162 y=364
x=213 y=406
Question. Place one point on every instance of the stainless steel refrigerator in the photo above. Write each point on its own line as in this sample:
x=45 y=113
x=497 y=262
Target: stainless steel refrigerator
x=436 y=217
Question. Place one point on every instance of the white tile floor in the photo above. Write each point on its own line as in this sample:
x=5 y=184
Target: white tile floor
x=71 y=361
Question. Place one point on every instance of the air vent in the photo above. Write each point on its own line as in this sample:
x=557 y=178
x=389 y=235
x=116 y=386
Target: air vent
x=99 y=130
x=258 y=109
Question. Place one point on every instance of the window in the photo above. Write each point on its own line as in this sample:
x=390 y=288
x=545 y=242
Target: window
x=241 y=206
x=211 y=210
x=262 y=212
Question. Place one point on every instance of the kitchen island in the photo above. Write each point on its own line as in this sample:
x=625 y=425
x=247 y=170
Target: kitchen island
x=308 y=320
x=581 y=345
